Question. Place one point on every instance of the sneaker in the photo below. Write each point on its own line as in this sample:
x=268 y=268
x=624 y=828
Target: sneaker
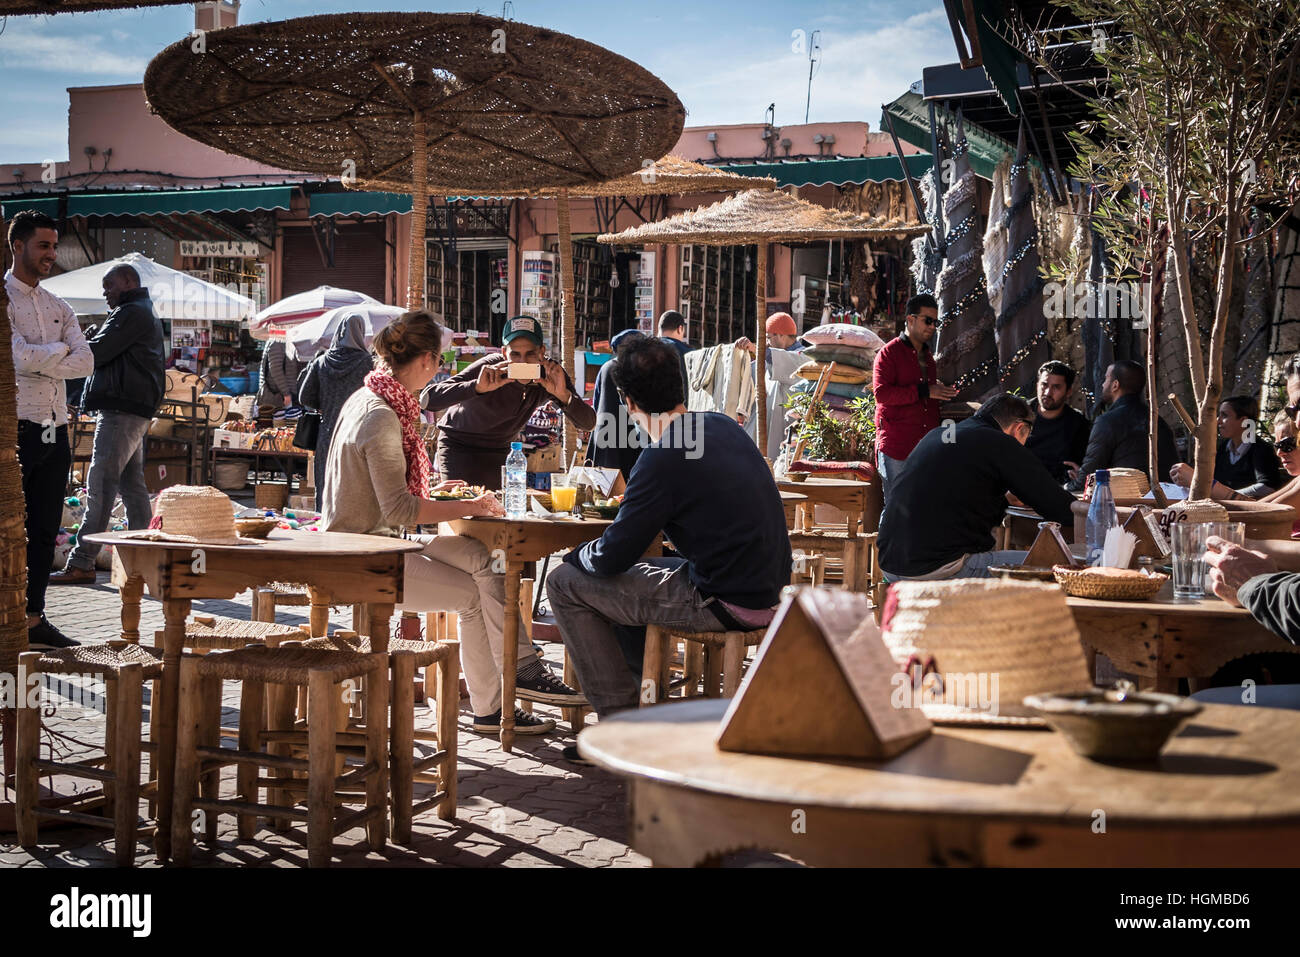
x=571 y=755
x=536 y=682
x=43 y=636
x=525 y=723
x=73 y=576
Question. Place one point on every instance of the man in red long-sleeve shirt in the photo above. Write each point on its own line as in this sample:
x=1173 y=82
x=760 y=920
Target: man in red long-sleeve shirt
x=907 y=388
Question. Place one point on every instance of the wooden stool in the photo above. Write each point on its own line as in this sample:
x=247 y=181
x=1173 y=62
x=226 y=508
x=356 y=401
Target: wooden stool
x=808 y=568
x=209 y=633
x=404 y=657
x=328 y=675
x=724 y=655
x=853 y=552
x=124 y=667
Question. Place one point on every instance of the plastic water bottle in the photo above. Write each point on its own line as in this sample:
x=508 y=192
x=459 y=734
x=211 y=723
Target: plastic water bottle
x=1101 y=515
x=516 y=490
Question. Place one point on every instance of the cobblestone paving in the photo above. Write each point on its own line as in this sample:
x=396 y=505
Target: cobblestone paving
x=526 y=809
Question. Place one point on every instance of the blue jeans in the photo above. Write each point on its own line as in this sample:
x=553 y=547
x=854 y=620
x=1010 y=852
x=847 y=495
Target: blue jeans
x=588 y=608
x=888 y=469
x=116 y=467
x=975 y=566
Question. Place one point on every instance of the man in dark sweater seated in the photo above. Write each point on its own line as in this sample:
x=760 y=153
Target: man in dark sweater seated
x=1120 y=437
x=1060 y=433
x=952 y=492
x=702 y=482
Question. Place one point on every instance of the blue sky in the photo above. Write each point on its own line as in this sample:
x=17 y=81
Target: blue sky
x=726 y=59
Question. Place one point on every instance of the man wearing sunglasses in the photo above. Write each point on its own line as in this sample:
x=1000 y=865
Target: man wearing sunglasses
x=907 y=388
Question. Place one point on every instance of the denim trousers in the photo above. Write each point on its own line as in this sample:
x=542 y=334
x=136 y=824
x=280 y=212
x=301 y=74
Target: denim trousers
x=975 y=566
x=888 y=469
x=116 y=467
x=588 y=607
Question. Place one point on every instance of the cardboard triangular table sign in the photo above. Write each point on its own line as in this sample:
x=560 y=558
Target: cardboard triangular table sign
x=1151 y=540
x=1049 y=548
x=821 y=685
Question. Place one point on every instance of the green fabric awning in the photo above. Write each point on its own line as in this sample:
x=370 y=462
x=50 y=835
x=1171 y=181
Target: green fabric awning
x=911 y=116
x=49 y=205
x=836 y=172
x=999 y=57
x=157 y=202
x=170 y=202
x=359 y=203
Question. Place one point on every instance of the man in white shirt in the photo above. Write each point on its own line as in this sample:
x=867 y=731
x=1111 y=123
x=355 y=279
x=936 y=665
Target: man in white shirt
x=48 y=350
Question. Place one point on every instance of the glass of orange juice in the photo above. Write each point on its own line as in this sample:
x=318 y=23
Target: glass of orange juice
x=564 y=494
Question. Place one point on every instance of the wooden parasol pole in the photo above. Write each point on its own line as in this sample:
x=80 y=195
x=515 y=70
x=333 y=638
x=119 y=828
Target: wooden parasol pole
x=760 y=354
x=419 y=214
x=13 y=530
x=567 y=323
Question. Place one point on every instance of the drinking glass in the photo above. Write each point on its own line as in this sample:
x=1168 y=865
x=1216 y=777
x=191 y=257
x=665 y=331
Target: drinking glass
x=564 y=494
x=1231 y=532
x=1188 y=539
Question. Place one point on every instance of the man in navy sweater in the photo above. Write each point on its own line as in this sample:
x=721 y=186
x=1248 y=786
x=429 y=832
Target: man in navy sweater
x=701 y=482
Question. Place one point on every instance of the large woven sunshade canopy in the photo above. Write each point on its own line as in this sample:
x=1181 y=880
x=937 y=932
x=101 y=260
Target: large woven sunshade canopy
x=668 y=176
x=425 y=103
x=762 y=217
x=14 y=7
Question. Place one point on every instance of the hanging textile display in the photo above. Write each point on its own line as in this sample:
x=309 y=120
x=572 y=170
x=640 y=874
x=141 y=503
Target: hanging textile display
x=965 y=350
x=995 y=234
x=926 y=261
x=1284 y=339
x=1257 y=314
x=1021 y=326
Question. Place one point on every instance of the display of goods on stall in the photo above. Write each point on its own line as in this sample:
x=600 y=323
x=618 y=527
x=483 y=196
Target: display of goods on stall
x=274 y=440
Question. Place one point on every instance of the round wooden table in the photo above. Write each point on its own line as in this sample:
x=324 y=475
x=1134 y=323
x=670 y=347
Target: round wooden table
x=850 y=497
x=337 y=567
x=1163 y=639
x=1225 y=792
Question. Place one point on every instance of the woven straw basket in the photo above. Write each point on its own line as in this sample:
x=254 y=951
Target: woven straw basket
x=1117 y=584
x=1021 y=632
x=1128 y=483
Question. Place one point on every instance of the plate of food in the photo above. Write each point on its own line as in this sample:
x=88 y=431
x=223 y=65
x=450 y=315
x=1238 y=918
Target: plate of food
x=603 y=507
x=458 y=494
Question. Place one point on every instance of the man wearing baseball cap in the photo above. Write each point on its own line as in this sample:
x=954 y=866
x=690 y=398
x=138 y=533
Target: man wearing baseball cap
x=487 y=406
x=779 y=365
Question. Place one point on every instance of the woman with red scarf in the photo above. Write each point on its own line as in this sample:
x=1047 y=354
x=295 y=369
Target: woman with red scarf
x=378 y=482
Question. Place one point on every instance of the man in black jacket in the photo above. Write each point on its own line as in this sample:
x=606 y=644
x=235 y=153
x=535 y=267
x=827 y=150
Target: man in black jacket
x=1120 y=437
x=952 y=491
x=126 y=388
x=701 y=482
x=1060 y=434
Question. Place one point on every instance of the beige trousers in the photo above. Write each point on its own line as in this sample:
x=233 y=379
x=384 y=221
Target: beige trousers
x=454 y=573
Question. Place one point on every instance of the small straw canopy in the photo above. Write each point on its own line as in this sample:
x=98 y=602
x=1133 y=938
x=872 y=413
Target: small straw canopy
x=761 y=216
x=667 y=176
x=501 y=105
x=9 y=8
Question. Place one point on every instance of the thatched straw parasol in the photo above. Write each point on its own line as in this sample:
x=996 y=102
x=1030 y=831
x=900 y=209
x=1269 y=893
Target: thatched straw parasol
x=668 y=176
x=762 y=217
x=438 y=104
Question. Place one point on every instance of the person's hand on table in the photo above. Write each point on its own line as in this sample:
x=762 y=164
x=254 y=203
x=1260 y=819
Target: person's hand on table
x=448 y=485
x=939 y=390
x=491 y=377
x=553 y=381
x=1181 y=474
x=1231 y=566
x=486 y=504
x=1071 y=470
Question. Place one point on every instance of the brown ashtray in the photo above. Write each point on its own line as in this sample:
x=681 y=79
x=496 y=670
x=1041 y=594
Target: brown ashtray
x=797 y=476
x=256 y=527
x=1024 y=573
x=1114 y=725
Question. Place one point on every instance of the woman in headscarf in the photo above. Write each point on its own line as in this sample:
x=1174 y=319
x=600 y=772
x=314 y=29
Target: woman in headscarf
x=330 y=380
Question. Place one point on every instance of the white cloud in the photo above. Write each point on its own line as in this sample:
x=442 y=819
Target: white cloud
x=732 y=81
x=81 y=55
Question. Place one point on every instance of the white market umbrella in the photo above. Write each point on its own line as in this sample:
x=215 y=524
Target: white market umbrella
x=276 y=319
x=175 y=294
x=310 y=337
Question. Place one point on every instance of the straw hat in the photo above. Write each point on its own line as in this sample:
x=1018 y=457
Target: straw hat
x=193 y=513
x=990 y=643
